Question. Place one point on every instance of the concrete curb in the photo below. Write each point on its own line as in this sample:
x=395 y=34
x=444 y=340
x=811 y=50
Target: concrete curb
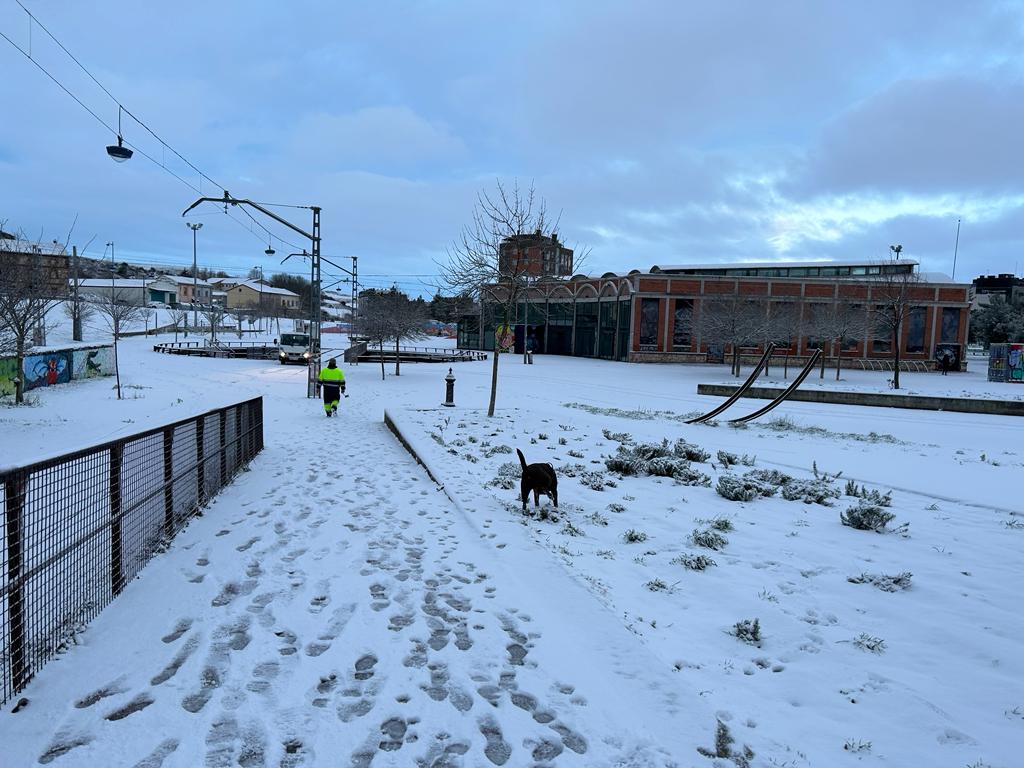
x=874 y=399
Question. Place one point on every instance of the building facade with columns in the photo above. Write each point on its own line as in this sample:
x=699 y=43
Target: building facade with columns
x=668 y=313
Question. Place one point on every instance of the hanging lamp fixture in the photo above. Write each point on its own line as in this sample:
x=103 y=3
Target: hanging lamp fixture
x=119 y=152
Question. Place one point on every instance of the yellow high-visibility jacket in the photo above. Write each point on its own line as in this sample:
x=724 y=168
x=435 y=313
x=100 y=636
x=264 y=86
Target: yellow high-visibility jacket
x=332 y=376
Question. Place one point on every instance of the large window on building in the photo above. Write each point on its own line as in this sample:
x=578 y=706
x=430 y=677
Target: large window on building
x=682 y=324
x=649 y=311
x=950 y=325
x=915 y=329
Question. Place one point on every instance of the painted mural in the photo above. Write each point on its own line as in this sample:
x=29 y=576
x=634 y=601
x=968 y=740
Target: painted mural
x=89 y=363
x=47 y=369
x=1006 y=363
x=58 y=366
x=8 y=369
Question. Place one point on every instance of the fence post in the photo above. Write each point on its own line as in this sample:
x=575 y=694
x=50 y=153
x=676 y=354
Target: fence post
x=116 y=579
x=239 y=438
x=15 y=486
x=223 y=445
x=200 y=460
x=258 y=425
x=168 y=484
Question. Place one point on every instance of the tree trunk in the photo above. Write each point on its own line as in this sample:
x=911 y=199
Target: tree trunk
x=19 y=374
x=785 y=365
x=896 y=354
x=821 y=374
x=117 y=369
x=735 y=361
x=494 y=380
x=398 y=371
x=839 y=356
x=382 y=375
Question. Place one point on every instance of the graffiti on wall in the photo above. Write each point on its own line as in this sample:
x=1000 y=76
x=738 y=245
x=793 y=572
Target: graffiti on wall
x=8 y=372
x=47 y=369
x=89 y=363
x=1015 y=363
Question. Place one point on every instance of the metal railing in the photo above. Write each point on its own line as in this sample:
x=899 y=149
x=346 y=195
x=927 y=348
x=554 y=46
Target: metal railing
x=75 y=529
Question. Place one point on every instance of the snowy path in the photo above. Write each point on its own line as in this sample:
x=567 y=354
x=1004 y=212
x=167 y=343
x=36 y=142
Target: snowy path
x=341 y=612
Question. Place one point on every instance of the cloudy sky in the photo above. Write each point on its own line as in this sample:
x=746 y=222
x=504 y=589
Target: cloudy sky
x=664 y=132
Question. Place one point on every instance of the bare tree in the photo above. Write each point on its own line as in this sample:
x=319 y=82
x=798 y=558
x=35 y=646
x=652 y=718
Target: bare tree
x=179 y=319
x=147 y=315
x=238 y=315
x=781 y=326
x=214 y=316
x=834 y=324
x=79 y=312
x=475 y=265
x=26 y=296
x=891 y=294
x=118 y=310
x=373 y=321
x=734 y=321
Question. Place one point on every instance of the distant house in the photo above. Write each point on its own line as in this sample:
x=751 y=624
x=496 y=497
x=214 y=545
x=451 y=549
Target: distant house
x=47 y=260
x=203 y=289
x=225 y=283
x=253 y=294
x=141 y=292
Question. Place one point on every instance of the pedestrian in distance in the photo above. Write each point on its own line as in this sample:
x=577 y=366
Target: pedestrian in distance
x=332 y=381
x=944 y=362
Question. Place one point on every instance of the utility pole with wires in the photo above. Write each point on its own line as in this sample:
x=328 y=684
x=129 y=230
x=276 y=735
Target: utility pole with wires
x=312 y=382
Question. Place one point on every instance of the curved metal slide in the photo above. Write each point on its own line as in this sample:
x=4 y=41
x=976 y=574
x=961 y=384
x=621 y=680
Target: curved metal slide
x=739 y=392
x=785 y=393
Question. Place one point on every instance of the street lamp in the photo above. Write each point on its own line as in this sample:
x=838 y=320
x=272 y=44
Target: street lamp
x=897 y=249
x=195 y=312
x=119 y=152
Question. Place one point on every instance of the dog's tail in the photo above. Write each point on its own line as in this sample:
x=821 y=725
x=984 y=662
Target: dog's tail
x=522 y=459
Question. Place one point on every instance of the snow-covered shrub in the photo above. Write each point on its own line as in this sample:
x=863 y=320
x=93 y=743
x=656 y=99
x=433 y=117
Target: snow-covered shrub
x=593 y=480
x=542 y=436
x=869 y=494
x=496 y=449
x=883 y=581
x=709 y=539
x=723 y=748
x=472 y=458
x=570 y=470
x=633 y=536
x=748 y=630
x=866 y=642
x=562 y=441
x=727 y=459
x=689 y=451
x=614 y=507
x=720 y=523
x=758 y=482
x=618 y=437
x=597 y=518
x=820 y=490
x=576 y=454
x=694 y=562
x=571 y=530
x=507 y=478
x=656 y=585
x=865 y=516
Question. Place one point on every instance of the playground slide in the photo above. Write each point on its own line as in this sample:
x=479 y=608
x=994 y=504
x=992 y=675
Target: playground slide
x=739 y=392
x=786 y=393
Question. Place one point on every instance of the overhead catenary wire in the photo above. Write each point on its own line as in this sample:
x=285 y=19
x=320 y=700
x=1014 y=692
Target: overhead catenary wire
x=164 y=145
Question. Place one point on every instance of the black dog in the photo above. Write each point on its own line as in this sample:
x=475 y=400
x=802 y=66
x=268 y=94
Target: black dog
x=538 y=478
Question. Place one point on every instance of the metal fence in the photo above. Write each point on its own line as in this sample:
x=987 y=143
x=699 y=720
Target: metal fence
x=76 y=528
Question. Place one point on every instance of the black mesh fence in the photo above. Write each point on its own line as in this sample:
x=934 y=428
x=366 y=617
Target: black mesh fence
x=76 y=528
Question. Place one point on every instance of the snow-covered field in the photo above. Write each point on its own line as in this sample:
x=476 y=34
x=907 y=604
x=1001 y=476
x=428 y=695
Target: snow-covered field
x=334 y=607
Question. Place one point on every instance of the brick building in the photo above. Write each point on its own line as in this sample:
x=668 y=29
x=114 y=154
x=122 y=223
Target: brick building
x=658 y=315
x=536 y=255
x=46 y=263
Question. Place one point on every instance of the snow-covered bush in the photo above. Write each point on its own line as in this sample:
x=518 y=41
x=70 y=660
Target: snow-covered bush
x=633 y=536
x=615 y=507
x=820 y=490
x=694 y=562
x=618 y=437
x=752 y=484
x=656 y=585
x=507 y=478
x=709 y=539
x=576 y=454
x=660 y=460
x=720 y=523
x=748 y=630
x=597 y=518
x=496 y=449
x=727 y=459
x=571 y=530
x=723 y=748
x=690 y=451
x=883 y=581
x=866 y=516
x=593 y=480
x=866 y=642
x=570 y=470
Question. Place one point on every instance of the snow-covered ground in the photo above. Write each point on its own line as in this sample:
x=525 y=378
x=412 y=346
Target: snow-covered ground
x=334 y=607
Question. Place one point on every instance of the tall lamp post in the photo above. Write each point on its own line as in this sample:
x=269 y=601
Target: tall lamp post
x=195 y=271
x=313 y=236
x=897 y=249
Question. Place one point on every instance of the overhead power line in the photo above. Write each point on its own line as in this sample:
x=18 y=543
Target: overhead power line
x=159 y=163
